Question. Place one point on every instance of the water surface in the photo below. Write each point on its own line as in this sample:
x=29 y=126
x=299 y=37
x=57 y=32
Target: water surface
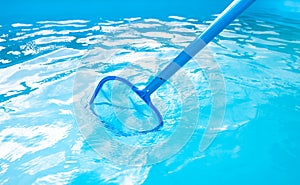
x=257 y=55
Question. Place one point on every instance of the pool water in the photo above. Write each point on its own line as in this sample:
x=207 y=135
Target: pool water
x=248 y=77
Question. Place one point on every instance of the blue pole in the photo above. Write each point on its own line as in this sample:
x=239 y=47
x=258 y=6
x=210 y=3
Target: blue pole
x=223 y=20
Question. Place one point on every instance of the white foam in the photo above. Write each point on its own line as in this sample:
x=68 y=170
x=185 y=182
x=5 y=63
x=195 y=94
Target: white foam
x=110 y=22
x=52 y=39
x=14 y=52
x=42 y=32
x=4 y=61
x=177 y=17
x=20 y=25
x=63 y=22
x=64 y=32
x=63 y=25
x=109 y=29
x=192 y=20
x=52 y=32
x=133 y=19
x=4 y=35
x=139 y=43
x=152 y=20
x=158 y=34
x=146 y=25
x=90 y=40
x=2 y=48
x=181 y=30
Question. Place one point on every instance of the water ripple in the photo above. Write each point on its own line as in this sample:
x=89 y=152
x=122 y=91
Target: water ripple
x=39 y=139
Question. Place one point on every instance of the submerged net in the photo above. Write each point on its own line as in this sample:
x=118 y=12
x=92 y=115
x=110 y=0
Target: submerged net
x=122 y=111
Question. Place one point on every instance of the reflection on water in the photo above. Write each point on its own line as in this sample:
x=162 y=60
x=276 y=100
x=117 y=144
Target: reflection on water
x=39 y=138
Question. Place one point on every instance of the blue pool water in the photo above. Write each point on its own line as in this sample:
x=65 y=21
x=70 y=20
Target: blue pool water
x=51 y=59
